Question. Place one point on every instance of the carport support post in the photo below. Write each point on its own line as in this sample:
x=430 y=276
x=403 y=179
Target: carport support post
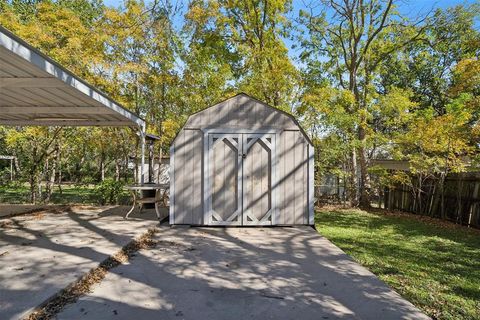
x=142 y=165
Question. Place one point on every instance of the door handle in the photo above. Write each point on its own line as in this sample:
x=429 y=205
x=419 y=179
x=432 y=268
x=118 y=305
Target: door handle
x=244 y=156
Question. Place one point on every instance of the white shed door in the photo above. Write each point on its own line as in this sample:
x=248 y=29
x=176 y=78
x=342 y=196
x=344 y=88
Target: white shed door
x=240 y=176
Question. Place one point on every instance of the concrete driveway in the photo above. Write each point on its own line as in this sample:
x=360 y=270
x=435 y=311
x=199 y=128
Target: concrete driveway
x=42 y=253
x=241 y=273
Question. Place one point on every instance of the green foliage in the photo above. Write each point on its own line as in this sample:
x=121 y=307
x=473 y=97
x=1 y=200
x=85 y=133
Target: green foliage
x=211 y=63
x=109 y=191
x=4 y=175
x=425 y=67
x=413 y=86
x=241 y=42
x=393 y=88
x=68 y=194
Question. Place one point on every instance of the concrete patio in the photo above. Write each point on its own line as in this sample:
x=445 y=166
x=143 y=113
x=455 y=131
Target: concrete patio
x=241 y=273
x=43 y=252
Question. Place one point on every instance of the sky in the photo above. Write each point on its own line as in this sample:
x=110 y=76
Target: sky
x=408 y=5
x=409 y=8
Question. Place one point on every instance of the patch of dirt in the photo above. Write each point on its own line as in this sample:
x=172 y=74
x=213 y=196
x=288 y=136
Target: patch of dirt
x=59 y=209
x=8 y=224
x=38 y=215
x=174 y=247
x=85 y=285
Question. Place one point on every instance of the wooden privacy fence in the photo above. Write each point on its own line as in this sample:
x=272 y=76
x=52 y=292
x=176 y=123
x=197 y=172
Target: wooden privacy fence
x=461 y=198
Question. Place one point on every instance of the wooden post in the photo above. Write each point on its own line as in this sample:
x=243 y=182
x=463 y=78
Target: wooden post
x=402 y=200
x=390 y=198
x=432 y=198
x=473 y=206
x=385 y=198
x=379 y=197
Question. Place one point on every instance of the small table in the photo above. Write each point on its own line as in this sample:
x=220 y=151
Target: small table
x=159 y=196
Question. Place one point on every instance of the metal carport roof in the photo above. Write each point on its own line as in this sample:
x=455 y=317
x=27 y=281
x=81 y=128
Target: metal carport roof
x=35 y=90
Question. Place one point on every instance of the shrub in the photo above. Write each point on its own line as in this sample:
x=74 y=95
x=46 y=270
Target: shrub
x=109 y=191
x=5 y=176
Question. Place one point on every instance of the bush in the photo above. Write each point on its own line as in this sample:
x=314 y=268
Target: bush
x=85 y=182
x=4 y=176
x=109 y=191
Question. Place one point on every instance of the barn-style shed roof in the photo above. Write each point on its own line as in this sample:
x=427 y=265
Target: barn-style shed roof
x=35 y=90
x=243 y=111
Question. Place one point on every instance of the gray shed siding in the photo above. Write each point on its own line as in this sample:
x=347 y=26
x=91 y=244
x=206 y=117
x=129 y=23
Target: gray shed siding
x=293 y=161
x=293 y=178
x=241 y=112
x=187 y=202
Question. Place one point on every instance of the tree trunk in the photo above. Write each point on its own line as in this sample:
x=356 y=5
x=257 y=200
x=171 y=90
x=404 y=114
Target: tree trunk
x=33 y=177
x=33 y=187
x=420 y=189
x=48 y=181
x=17 y=167
x=125 y=169
x=353 y=189
x=364 y=181
x=117 y=170
x=59 y=180
x=52 y=175
x=102 y=170
x=442 y=196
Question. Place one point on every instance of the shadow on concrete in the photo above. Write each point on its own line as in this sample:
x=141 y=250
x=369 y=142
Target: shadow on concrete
x=42 y=253
x=242 y=273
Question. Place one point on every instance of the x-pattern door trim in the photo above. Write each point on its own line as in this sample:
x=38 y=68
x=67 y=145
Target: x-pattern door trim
x=248 y=141
x=214 y=139
x=269 y=139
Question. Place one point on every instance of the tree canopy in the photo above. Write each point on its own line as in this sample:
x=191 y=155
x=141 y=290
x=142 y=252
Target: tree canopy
x=365 y=80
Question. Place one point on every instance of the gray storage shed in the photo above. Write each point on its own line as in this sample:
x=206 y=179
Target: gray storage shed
x=241 y=162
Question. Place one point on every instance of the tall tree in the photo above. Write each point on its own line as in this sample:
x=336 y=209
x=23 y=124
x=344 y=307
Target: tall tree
x=211 y=63
x=164 y=84
x=250 y=37
x=354 y=38
x=427 y=67
x=256 y=28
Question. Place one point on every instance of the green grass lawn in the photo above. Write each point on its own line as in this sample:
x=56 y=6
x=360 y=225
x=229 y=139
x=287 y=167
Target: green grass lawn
x=433 y=264
x=70 y=194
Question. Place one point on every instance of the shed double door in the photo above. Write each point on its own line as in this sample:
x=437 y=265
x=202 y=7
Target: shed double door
x=240 y=178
